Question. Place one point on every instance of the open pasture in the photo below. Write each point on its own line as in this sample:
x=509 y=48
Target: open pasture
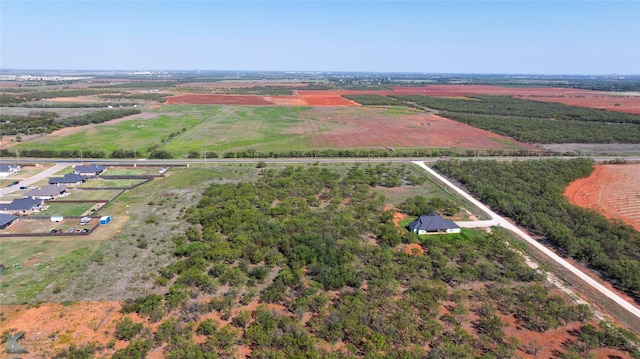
x=134 y=134
x=278 y=128
x=303 y=128
x=612 y=190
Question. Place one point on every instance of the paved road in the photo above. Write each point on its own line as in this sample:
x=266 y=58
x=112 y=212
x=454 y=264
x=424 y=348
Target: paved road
x=35 y=178
x=200 y=161
x=500 y=221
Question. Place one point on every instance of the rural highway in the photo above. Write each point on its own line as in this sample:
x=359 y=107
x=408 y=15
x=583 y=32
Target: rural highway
x=497 y=220
x=202 y=161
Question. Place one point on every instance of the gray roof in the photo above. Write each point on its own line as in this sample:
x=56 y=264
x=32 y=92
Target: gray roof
x=6 y=167
x=432 y=223
x=21 y=204
x=6 y=219
x=68 y=178
x=48 y=190
x=92 y=168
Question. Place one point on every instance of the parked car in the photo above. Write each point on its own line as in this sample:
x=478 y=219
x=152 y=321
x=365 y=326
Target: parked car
x=86 y=230
x=23 y=187
x=54 y=231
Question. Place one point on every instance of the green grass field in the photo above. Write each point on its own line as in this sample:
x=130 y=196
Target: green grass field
x=134 y=135
x=91 y=195
x=238 y=128
x=210 y=128
x=110 y=183
x=66 y=209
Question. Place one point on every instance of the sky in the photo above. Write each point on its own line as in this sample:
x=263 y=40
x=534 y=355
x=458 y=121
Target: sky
x=490 y=37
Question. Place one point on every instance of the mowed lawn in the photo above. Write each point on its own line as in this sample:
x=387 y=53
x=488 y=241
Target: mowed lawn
x=65 y=209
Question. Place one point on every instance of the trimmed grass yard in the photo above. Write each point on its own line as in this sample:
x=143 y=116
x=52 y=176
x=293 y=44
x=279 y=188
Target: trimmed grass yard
x=110 y=183
x=91 y=195
x=65 y=209
x=132 y=171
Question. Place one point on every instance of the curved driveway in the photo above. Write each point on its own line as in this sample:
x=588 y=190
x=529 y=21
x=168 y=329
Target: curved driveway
x=500 y=221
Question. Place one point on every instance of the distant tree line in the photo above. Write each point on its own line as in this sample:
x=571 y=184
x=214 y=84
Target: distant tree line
x=36 y=122
x=76 y=104
x=156 y=152
x=39 y=122
x=512 y=106
x=14 y=98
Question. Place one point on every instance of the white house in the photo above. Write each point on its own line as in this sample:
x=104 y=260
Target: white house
x=7 y=170
x=433 y=224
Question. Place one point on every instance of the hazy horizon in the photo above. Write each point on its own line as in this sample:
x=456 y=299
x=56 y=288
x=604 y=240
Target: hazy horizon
x=433 y=37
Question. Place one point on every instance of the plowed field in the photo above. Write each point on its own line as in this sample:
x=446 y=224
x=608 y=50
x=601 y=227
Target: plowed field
x=613 y=190
x=210 y=99
x=369 y=127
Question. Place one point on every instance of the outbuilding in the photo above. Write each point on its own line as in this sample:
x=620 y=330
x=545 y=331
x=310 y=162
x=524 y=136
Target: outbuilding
x=57 y=218
x=105 y=219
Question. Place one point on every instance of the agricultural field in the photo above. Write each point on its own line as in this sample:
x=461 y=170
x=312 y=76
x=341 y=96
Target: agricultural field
x=265 y=129
x=296 y=117
x=613 y=190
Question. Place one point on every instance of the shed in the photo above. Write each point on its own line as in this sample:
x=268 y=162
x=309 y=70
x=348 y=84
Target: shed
x=105 y=219
x=57 y=218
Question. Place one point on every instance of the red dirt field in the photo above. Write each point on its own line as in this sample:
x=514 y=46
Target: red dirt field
x=211 y=99
x=51 y=327
x=364 y=127
x=612 y=190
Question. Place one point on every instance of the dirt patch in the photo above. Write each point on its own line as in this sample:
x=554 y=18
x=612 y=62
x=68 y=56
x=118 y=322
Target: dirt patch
x=397 y=217
x=52 y=327
x=211 y=99
x=371 y=127
x=414 y=249
x=78 y=99
x=612 y=190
